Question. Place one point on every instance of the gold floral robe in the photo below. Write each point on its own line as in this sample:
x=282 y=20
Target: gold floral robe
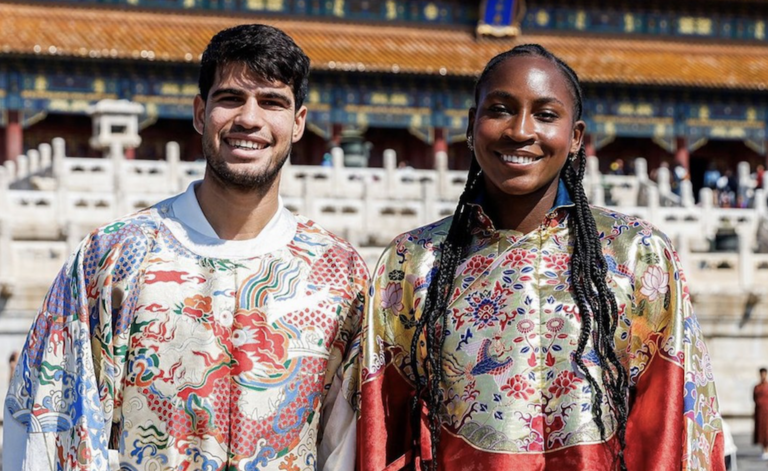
x=513 y=397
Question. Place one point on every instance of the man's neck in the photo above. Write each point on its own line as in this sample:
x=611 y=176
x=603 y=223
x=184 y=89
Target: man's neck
x=235 y=214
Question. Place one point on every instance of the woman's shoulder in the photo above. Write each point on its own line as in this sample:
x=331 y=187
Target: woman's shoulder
x=428 y=235
x=631 y=232
x=612 y=224
x=417 y=247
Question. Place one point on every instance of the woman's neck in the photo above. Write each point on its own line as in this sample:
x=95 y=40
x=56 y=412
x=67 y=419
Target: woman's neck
x=521 y=213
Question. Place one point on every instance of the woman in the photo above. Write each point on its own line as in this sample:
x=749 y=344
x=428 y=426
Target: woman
x=550 y=334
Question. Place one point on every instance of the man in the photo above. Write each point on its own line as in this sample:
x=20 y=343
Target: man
x=760 y=395
x=214 y=330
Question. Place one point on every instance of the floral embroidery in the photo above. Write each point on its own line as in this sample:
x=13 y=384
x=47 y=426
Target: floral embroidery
x=518 y=387
x=565 y=382
x=655 y=282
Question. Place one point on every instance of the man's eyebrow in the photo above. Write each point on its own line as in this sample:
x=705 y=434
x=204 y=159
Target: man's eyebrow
x=227 y=91
x=269 y=94
x=275 y=95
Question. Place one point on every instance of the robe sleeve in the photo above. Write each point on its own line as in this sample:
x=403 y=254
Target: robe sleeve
x=62 y=392
x=674 y=422
x=54 y=393
x=384 y=421
x=336 y=449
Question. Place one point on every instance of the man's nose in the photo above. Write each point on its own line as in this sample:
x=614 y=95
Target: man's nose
x=251 y=114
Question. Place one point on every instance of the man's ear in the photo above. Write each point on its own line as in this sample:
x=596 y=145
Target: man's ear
x=198 y=117
x=578 y=136
x=299 y=122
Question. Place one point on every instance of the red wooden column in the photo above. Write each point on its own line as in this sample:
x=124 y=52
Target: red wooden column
x=440 y=143
x=336 y=134
x=682 y=156
x=589 y=145
x=14 y=135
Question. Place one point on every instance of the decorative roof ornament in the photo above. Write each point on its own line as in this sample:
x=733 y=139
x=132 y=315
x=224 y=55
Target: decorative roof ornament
x=500 y=18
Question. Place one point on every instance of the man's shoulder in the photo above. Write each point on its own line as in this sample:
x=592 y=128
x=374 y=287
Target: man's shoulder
x=311 y=233
x=133 y=229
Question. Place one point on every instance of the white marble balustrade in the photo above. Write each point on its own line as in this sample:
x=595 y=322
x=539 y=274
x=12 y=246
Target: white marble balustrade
x=47 y=197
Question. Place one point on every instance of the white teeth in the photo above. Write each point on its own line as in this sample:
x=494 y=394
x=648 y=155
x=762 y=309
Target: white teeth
x=243 y=144
x=518 y=159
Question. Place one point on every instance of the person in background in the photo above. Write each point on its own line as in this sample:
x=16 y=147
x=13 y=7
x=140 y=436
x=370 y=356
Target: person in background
x=12 y=360
x=214 y=330
x=760 y=396
x=617 y=167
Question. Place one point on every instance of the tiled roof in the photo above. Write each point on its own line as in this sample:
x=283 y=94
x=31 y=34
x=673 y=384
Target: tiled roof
x=180 y=37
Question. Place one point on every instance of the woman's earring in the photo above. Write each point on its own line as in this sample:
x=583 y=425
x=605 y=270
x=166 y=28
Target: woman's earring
x=470 y=144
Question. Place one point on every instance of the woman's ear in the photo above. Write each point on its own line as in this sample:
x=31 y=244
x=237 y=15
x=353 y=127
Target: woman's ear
x=578 y=136
x=471 y=121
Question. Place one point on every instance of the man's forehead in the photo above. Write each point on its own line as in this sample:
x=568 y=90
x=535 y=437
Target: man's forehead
x=240 y=75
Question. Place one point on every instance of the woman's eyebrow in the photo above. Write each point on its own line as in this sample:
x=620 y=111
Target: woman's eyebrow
x=505 y=95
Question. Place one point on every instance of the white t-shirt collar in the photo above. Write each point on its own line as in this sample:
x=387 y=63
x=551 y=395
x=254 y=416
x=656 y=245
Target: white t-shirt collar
x=185 y=219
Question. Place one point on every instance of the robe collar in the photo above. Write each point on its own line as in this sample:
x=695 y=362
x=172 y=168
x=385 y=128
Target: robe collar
x=556 y=213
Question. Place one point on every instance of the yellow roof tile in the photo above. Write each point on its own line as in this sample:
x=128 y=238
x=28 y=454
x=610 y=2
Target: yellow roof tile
x=181 y=37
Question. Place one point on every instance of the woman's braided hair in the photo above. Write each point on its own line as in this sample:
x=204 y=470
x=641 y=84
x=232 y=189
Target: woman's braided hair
x=599 y=313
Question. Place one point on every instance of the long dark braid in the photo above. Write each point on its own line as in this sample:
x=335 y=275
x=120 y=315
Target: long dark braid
x=599 y=313
x=438 y=294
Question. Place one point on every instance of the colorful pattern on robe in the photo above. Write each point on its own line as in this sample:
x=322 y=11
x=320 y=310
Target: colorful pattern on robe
x=513 y=397
x=182 y=362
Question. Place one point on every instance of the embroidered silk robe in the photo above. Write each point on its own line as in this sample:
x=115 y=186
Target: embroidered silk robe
x=156 y=351
x=513 y=397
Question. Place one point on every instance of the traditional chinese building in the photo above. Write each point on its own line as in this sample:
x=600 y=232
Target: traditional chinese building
x=683 y=80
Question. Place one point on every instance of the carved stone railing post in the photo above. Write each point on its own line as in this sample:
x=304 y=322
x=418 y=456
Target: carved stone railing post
x=10 y=171
x=746 y=267
x=22 y=167
x=34 y=161
x=760 y=203
x=663 y=181
x=390 y=171
x=641 y=169
x=706 y=198
x=744 y=179
x=337 y=174
x=45 y=157
x=441 y=166
x=117 y=157
x=57 y=165
x=172 y=157
x=594 y=184
x=686 y=194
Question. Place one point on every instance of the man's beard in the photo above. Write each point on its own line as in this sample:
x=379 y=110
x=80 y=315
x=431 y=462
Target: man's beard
x=242 y=181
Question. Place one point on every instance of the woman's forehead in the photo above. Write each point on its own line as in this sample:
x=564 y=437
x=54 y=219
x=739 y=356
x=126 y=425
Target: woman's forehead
x=537 y=73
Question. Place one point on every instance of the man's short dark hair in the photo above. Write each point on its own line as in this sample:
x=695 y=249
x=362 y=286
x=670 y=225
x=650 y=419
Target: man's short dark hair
x=763 y=370
x=267 y=51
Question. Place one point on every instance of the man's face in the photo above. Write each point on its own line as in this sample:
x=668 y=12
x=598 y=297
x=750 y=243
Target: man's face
x=248 y=125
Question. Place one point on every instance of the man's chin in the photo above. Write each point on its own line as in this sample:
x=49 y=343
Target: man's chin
x=240 y=177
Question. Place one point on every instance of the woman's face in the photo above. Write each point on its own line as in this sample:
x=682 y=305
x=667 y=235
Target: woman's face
x=524 y=127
